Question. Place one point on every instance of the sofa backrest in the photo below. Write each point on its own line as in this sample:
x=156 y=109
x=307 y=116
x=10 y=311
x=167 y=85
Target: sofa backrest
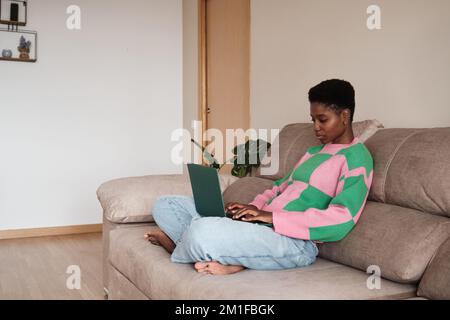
x=412 y=168
x=294 y=139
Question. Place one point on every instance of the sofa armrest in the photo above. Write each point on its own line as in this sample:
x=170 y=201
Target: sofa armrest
x=130 y=200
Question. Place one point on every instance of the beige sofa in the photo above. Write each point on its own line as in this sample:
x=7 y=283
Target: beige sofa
x=403 y=233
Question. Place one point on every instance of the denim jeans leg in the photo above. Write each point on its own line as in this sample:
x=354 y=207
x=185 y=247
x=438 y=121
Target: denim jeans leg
x=173 y=214
x=250 y=245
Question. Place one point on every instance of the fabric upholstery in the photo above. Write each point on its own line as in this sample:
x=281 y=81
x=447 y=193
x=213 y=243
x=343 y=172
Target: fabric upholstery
x=435 y=283
x=149 y=268
x=245 y=189
x=383 y=146
x=122 y=288
x=412 y=168
x=294 y=139
x=107 y=227
x=401 y=241
x=130 y=200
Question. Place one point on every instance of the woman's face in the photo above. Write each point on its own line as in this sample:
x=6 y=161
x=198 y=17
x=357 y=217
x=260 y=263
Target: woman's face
x=328 y=123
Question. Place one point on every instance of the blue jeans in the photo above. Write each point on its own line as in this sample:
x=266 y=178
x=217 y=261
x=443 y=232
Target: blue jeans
x=227 y=241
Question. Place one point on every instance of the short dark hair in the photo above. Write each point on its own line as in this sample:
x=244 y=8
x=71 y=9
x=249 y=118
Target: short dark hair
x=334 y=92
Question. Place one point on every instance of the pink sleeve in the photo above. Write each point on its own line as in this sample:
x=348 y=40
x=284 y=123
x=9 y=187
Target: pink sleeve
x=261 y=199
x=279 y=186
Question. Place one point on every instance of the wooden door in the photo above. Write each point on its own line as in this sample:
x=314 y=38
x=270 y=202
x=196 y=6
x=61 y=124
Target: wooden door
x=226 y=63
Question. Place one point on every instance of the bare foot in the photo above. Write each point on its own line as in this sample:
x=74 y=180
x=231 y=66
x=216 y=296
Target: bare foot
x=150 y=237
x=159 y=238
x=216 y=268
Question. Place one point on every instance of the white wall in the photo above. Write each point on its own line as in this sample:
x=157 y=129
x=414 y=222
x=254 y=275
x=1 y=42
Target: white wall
x=99 y=104
x=401 y=73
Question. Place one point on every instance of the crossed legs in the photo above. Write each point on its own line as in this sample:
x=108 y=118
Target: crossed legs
x=159 y=238
x=175 y=215
x=221 y=246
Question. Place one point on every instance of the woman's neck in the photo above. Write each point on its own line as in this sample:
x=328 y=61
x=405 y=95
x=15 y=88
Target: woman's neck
x=346 y=138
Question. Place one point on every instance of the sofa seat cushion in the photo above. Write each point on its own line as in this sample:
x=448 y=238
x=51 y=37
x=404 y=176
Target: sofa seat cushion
x=130 y=200
x=435 y=283
x=401 y=241
x=149 y=268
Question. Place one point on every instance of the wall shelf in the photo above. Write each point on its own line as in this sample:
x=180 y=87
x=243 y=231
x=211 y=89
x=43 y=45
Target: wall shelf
x=20 y=24
x=17 y=59
x=10 y=40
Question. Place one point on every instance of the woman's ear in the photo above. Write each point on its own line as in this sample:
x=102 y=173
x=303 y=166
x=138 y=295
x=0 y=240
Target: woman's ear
x=346 y=115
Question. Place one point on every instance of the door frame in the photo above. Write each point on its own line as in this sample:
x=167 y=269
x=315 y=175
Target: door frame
x=203 y=81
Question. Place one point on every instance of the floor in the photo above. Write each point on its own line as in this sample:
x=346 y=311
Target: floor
x=36 y=268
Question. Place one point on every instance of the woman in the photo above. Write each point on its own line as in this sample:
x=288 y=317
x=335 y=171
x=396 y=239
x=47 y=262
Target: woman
x=320 y=200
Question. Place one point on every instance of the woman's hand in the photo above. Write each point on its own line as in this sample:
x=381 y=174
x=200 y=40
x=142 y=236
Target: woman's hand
x=234 y=207
x=248 y=213
x=251 y=215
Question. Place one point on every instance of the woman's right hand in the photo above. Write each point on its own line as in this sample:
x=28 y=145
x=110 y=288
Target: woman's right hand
x=234 y=207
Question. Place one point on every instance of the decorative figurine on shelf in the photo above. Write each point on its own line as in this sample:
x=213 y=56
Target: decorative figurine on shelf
x=24 y=48
x=6 y=53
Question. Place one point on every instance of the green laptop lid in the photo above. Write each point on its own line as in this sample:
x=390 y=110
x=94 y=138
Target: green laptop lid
x=206 y=190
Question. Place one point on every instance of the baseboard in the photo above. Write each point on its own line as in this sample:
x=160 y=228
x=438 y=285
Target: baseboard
x=52 y=231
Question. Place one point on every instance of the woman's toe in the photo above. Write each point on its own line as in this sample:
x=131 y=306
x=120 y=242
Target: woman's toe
x=200 y=265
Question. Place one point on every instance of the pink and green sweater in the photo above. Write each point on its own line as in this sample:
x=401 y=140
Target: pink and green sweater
x=322 y=198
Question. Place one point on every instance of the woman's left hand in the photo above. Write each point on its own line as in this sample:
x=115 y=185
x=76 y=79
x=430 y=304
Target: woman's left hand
x=250 y=215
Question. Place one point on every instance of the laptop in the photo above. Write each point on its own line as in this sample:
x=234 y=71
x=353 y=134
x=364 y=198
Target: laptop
x=207 y=194
x=206 y=190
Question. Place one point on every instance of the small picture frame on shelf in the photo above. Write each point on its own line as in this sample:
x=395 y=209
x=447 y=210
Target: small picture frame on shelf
x=13 y=12
x=18 y=45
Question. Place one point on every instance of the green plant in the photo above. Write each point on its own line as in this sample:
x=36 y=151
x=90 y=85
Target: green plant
x=246 y=156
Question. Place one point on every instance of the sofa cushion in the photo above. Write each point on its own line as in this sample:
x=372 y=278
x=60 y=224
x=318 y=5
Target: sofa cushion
x=412 y=168
x=435 y=283
x=294 y=139
x=149 y=268
x=401 y=241
x=130 y=200
x=121 y=288
x=244 y=190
